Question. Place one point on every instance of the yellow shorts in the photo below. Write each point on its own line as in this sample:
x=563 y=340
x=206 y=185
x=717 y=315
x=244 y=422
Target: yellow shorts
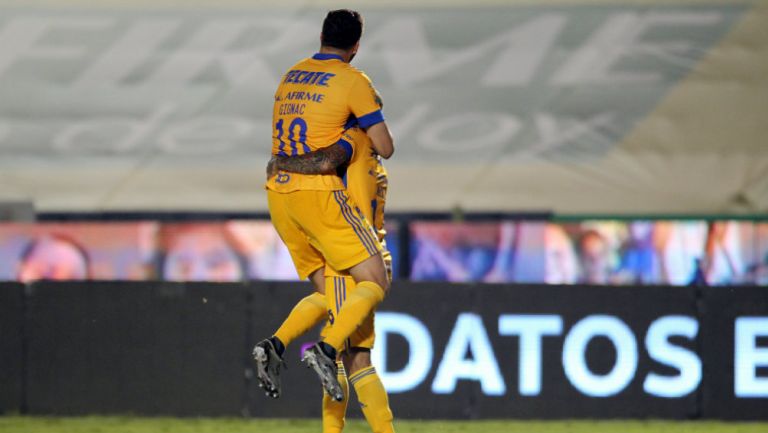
x=336 y=291
x=320 y=227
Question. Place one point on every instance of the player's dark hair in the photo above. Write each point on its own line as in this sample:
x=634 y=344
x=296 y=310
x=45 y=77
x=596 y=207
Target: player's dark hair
x=342 y=29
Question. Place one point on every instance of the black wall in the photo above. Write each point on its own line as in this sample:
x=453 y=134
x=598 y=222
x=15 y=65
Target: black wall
x=12 y=348
x=719 y=311
x=116 y=347
x=184 y=349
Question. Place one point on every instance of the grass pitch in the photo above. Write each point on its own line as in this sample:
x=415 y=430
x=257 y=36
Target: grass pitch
x=16 y=424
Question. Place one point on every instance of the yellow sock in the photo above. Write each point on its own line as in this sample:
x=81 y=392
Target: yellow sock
x=335 y=411
x=306 y=314
x=373 y=399
x=364 y=299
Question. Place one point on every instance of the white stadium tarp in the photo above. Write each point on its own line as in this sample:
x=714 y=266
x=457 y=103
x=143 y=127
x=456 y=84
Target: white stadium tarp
x=593 y=106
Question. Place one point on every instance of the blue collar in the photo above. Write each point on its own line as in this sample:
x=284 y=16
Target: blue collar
x=324 y=56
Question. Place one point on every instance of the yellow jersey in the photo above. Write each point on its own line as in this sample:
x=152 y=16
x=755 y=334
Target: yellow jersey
x=314 y=102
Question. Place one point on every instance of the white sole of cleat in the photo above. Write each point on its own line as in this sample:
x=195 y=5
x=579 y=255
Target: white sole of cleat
x=260 y=356
x=330 y=386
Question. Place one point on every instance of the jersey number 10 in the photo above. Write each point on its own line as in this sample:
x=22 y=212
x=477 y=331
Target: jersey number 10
x=292 y=138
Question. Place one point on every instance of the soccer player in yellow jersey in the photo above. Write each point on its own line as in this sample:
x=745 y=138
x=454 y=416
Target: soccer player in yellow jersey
x=312 y=212
x=366 y=182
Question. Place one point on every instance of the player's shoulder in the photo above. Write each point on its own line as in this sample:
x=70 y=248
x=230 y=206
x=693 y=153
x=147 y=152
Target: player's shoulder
x=298 y=66
x=301 y=64
x=352 y=69
x=354 y=73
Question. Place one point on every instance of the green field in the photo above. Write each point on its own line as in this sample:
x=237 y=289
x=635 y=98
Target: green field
x=14 y=424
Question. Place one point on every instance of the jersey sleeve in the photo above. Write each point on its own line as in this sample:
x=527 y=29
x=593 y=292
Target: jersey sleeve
x=364 y=102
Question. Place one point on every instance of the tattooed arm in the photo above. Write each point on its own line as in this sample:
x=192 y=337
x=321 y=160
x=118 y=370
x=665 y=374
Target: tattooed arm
x=322 y=161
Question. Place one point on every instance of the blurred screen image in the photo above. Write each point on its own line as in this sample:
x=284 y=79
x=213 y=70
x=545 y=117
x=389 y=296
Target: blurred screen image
x=191 y=251
x=486 y=252
x=638 y=252
x=621 y=252
x=77 y=251
x=223 y=252
x=656 y=252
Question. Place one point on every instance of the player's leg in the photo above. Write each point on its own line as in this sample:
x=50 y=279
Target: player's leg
x=369 y=273
x=357 y=360
x=369 y=389
x=346 y=240
x=321 y=357
x=371 y=286
x=334 y=412
x=309 y=311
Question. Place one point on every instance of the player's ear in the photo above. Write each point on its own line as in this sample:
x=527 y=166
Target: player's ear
x=353 y=51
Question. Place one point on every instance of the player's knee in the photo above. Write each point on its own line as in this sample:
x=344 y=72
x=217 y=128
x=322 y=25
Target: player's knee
x=383 y=283
x=371 y=269
x=379 y=272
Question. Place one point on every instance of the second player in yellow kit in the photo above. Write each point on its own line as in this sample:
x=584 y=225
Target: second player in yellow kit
x=366 y=181
x=366 y=184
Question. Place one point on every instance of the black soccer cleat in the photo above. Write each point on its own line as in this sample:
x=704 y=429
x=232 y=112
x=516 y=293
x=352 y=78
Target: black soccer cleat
x=324 y=365
x=268 y=363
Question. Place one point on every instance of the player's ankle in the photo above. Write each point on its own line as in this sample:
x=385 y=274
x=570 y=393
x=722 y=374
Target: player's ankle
x=327 y=349
x=279 y=346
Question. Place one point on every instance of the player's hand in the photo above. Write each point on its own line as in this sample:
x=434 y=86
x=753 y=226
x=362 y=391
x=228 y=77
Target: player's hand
x=272 y=167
